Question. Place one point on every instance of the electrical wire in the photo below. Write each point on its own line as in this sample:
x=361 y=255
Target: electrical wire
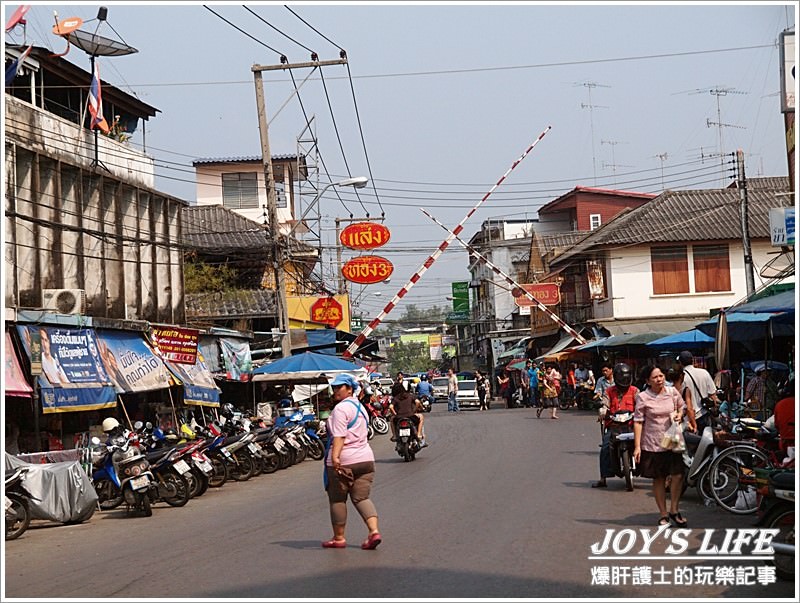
x=240 y=30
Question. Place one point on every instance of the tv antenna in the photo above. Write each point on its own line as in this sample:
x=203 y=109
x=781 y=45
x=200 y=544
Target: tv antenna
x=662 y=157
x=591 y=108
x=94 y=45
x=613 y=165
x=718 y=91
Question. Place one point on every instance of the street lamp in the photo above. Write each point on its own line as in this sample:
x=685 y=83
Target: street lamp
x=357 y=182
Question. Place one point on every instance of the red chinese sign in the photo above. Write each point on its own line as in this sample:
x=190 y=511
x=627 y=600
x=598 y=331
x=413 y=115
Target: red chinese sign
x=367 y=269
x=364 y=236
x=545 y=293
x=327 y=311
x=176 y=344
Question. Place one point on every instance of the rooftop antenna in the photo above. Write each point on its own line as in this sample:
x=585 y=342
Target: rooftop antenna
x=718 y=91
x=613 y=165
x=662 y=157
x=94 y=45
x=591 y=108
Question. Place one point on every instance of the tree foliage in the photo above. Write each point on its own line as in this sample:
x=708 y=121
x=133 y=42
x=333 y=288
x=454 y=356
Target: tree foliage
x=410 y=357
x=199 y=277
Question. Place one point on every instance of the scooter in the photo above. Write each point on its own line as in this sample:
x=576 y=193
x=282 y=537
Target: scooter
x=122 y=473
x=427 y=401
x=18 y=515
x=776 y=510
x=408 y=444
x=622 y=461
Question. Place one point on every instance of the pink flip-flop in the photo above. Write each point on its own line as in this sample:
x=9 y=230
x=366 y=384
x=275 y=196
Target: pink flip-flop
x=334 y=544
x=372 y=542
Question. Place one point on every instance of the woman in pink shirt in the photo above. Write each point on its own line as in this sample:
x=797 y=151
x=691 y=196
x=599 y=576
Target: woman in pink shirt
x=349 y=464
x=656 y=407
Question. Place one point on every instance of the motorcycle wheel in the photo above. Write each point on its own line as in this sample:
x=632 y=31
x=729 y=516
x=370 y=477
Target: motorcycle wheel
x=108 y=495
x=284 y=460
x=18 y=518
x=784 y=521
x=221 y=473
x=174 y=489
x=703 y=486
x=316 y=451
x=563 y=402
x=380 y=425
x=370 y=431
x=144 y=505
x=302 y=453
x=200 y=482
x=270 y=463
x=627 y=472
x=242 y=468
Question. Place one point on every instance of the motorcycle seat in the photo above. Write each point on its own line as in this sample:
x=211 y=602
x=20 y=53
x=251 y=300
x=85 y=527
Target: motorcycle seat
x=783 y=480
x=692 y=439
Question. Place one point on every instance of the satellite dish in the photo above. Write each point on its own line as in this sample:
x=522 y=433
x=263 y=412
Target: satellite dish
x=16 y=18
x=95 y=45
x=67 y=26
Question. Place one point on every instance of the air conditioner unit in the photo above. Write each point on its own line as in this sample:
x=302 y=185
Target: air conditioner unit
x=64 y=301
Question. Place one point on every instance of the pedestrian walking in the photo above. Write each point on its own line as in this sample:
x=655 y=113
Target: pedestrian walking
x=550 y=392
x=482 y=384
x=452 y=391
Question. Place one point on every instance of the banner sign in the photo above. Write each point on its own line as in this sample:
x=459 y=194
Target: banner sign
x=594 y=272
x=73 y=375
x=238 y=361
x=131 y=362
x=367 y=269
x=177 y=344
x=15 y=384
x=545 y=293
x=363 y=236
x=460 y=296
x=199 y=387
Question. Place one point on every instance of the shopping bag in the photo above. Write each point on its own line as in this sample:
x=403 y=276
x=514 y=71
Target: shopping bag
x=672 y=439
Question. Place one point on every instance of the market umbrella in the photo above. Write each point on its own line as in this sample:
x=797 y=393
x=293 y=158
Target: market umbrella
x=721 y=352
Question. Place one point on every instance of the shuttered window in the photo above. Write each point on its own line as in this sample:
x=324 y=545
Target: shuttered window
x=240 y=190
x=670 y=267
x=712 y=271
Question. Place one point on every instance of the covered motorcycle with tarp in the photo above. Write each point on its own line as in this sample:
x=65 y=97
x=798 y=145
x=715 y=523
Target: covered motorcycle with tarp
x=59 y=492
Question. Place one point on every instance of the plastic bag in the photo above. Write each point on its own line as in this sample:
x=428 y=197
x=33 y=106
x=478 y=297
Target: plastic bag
x=673 y=438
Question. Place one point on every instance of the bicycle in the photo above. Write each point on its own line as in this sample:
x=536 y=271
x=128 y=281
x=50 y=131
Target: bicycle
x=733 y=475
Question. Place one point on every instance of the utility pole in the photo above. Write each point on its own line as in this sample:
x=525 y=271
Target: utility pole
x=748 y=256
x=278 y=250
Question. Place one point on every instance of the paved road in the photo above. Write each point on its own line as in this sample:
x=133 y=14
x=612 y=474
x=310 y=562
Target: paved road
x=499 y=505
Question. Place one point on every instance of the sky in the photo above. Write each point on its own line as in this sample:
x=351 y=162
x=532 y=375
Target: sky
x=438 y=101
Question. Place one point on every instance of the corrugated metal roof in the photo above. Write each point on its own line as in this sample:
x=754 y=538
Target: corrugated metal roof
x=218 y=229
x=231 y=304
x=241 y=159
x=681 y=216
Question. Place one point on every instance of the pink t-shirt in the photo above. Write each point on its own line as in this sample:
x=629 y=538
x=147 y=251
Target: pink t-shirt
x=654 y=411
x=356 y=445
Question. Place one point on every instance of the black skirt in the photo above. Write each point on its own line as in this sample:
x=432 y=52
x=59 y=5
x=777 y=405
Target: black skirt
x=660 y=464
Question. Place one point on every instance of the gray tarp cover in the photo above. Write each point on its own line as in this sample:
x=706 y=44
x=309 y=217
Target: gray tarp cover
x=59 y=491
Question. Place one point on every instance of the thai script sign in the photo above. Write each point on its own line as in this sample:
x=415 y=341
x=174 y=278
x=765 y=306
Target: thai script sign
x=177 y=344
x=364 y=236
x=327 y=311
x=131 y=363
x=367 y=269
x=545 y=293
x=460 y=296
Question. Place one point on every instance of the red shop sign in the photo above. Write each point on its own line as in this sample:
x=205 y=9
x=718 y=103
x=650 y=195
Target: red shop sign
x=367 y=269
x=547 y=294
x=328 y=311
x=364 y=236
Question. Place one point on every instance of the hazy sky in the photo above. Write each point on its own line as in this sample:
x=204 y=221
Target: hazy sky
x=449 y=96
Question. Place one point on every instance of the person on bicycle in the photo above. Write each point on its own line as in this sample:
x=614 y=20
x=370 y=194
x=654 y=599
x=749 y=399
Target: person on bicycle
x=620 y=396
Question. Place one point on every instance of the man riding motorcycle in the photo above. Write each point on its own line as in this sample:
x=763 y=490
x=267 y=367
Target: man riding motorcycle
x=425 y=389
x=403 y=404
x=620 y=396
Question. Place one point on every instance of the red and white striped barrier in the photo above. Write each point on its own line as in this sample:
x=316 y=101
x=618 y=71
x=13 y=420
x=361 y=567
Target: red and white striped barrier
x=359 y=340
x=512 y=282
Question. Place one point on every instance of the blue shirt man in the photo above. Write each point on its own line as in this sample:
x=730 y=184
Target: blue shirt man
x=533 y=379
x=424 y=388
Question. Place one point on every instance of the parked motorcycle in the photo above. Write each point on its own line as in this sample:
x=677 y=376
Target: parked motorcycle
x=408 y=443
x=776 y=510
x=122 y=474
x=376 y=419
x=622 y=462
x=18 y=516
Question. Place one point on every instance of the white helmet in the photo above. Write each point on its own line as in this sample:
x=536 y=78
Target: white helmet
x=110 y=424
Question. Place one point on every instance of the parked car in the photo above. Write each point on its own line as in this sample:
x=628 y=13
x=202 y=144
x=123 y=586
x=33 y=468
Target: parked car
x=439 y=388
x=467 y=394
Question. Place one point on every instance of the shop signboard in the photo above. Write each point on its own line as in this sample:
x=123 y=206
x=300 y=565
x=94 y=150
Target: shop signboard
x=176 y=344
x=328 y=311
x=199 y=387
x=367 y=269
x=131 y=362
x=460 y=296
x=363 y=236
x=547 y=294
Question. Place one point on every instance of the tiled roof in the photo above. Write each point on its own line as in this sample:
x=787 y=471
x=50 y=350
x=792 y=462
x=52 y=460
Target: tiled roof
x=691 y=215
x=214 y=228
x=241 y=159
x=231 y=304
x=780 y=183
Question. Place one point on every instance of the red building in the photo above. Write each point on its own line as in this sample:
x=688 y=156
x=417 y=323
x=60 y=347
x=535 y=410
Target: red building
x=589 y=208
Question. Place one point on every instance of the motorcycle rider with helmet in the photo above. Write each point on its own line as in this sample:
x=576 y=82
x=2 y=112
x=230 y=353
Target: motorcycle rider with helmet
x=619 y=396
x=425 y=389
x=112 y=428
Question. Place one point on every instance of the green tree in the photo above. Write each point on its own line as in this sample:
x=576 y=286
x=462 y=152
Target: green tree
x=414 y=316
x=410 y=357
x=205 y=278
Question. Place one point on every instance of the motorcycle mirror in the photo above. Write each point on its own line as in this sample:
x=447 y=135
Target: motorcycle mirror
x=95 y=440
x=148 y=425
x=138 y=425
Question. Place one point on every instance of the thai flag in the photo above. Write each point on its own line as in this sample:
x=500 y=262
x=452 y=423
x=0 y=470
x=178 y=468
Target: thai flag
x=96 y=103
x=13 y=68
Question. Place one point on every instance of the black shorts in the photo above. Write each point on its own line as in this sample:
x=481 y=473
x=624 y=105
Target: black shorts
x=660 y=464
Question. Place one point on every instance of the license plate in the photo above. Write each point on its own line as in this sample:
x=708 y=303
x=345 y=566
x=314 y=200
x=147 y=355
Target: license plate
x=293 y=442
x=137 y=483
x=227 y=454
x=279 y=445
x=206 y=467
x=252 y=448
x=8 y=503
x=404 y=432
x=181 y=466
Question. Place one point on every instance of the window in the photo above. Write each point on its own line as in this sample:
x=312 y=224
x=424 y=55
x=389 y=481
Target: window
x=670 y=270
x=595 y=220
x=711 y=268
x=240 y=190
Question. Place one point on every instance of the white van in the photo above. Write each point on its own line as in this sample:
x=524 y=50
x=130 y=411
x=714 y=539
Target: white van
x=439 y=388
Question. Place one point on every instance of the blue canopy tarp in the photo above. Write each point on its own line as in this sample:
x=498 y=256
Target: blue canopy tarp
x=692 y=339
x=753 y=325
x=309 y=367
x=618 y=341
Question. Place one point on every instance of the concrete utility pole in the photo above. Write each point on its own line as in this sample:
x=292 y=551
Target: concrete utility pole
x=278 y=250
x=748 y=256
